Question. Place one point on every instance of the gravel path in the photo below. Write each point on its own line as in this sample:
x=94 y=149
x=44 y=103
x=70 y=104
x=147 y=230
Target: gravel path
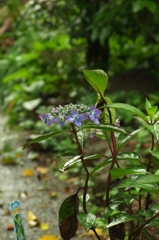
x=33 y=194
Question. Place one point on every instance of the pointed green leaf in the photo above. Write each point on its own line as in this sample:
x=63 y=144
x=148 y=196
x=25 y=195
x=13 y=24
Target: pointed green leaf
x=86 y=220
x=138 y=181
x=147 y=105
x=107 y=127
x=122 y=219
x=128 y=137
x=44 y=137
x=154 y=128
x=130 y=108
x=83 y=136
x=64 y=162
x=97 y=79
x=122 y=156
x=120 y=172
x=150 y=109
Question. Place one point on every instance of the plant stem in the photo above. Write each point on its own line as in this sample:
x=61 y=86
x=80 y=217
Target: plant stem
x=87 y=175
x=137 y=231
x=148 y=197
x=84 y=165
x=114 y=154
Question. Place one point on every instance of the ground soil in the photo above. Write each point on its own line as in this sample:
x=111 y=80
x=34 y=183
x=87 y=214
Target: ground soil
x=33 y=192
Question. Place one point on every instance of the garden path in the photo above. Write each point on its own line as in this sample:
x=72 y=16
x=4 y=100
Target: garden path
x=33 y=191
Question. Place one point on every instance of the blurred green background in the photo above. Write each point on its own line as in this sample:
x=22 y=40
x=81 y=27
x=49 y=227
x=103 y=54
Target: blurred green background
x=44 y=43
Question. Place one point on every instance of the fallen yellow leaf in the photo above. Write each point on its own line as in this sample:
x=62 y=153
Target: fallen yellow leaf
x=48 y=237
x=28 y=173
x=32 y=219
x=42 y=170
x=44 y=226
x=98 y=231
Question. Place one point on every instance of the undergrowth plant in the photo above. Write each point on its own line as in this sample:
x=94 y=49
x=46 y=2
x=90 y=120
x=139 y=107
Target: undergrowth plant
x=132 y=181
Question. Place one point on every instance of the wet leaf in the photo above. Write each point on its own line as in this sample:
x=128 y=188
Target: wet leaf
x=68 y=217
x=28 y=173
x=48 y=237
x=32 y=219
x=86 y=220
x=44 y=226
x=64 y=162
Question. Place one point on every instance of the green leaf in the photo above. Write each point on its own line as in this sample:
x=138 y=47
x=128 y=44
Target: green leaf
x=151 y=6
x=32 y=104
x=155 y=154
x=120 y=172
x=150 y=109
x=122 y=219
x=130 y=108
x=83 y=136
x=86 y=220
x=97 y=79
x=154 y=128
x=147 y=105
x=154 y=208
x=95 y=156
x=122 y=156
x=64 y=162
x=44 y=137
x=107 y=127
x=68 y=223
x=138 y=181
x=128 y=137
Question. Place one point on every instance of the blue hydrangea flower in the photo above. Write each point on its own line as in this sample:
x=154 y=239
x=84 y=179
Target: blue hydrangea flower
x=94 y=114
x=76 y=118
x=47 y=118
x=60 y=119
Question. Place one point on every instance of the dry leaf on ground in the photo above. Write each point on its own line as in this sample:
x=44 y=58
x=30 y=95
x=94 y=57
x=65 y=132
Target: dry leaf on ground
x=48 y=237
x=44 y=226
x=28 y=173
x=32 y=219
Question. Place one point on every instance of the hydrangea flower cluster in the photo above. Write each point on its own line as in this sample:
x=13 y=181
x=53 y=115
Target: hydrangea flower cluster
x=73 y=113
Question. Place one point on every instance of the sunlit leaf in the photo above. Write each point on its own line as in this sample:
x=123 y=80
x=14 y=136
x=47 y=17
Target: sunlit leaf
x=64 y=162
x=98 y=79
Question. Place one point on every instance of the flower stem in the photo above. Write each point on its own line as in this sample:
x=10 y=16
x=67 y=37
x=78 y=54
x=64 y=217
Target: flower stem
x=84 y=165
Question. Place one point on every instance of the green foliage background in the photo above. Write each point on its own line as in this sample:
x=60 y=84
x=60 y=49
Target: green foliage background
x=48 y=41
